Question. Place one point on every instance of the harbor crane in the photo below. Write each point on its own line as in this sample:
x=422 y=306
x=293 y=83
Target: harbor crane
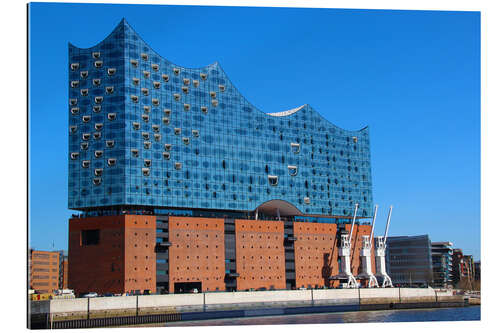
x=380 y=246
x=366 y=256
x=345 y=256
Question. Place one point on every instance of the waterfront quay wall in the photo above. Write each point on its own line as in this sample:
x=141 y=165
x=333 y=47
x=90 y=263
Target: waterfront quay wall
x=81 y=308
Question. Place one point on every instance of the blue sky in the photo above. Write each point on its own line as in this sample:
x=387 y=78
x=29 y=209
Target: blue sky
x=412 y=76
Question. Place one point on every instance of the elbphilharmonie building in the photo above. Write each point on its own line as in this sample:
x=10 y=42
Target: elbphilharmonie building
x=182 y=183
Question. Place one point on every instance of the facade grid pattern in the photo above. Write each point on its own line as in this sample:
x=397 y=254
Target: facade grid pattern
x=146 y=132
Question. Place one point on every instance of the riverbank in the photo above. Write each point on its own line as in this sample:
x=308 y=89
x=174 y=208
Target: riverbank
x=133 y=310
x=306 y=315
x=403 y=315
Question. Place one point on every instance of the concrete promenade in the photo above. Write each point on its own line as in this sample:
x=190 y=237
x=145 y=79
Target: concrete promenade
x=82 y=308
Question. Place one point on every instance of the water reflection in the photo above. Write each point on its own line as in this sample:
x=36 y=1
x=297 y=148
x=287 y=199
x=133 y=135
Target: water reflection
x=448 y=314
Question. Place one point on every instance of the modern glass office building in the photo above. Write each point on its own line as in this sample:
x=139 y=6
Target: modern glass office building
x=409 y=260
x=442 y=256
x=149 y=137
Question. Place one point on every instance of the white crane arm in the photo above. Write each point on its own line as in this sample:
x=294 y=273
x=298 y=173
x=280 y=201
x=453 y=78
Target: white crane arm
x=388 y=223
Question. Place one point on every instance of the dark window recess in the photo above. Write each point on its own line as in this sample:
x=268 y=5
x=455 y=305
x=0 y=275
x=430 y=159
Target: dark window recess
x=90 y=237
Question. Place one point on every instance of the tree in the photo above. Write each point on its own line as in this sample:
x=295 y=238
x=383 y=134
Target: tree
x=464 y=284
x=476 y=285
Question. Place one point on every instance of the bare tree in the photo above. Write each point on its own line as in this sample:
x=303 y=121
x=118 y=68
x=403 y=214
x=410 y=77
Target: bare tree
x=476 y=285
x=465 y=284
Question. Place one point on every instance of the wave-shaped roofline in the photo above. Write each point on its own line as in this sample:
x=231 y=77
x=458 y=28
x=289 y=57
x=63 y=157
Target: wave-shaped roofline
x=286 y=113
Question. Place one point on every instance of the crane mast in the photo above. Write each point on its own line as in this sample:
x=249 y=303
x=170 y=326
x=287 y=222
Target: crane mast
x=353 y=222
x=388 y=223
x=373 y=223
x=380 y=246
x=345 y=256
x=366 y=256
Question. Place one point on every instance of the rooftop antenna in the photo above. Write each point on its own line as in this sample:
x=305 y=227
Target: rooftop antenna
x=366 y=256
x=380 y=246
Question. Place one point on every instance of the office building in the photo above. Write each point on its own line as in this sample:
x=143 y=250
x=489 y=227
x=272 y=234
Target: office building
x=182 y=184
x=468 y=267
x=409 y=261
x=477 y=271
x=44 y=270
x=463 y=268
x=458 y=266
x=442 y=255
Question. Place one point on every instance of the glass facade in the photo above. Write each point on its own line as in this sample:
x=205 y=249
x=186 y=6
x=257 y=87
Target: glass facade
x=409 y=260
x=145 y=132
x=442 y=256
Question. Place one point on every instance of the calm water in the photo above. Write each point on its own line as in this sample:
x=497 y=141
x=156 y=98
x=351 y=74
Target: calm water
x=448 y=314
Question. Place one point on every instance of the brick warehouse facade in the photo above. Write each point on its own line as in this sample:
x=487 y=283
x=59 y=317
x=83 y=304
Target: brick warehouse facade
x=112 y=254
x=64 y=279
x=198 y=252
x=260 y=256
x=315 y=253
x=182 y=184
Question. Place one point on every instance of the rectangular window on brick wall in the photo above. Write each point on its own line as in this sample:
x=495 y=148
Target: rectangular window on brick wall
x=41 y=263
x=90 y=237
x=41 y=270
x=40 y=255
